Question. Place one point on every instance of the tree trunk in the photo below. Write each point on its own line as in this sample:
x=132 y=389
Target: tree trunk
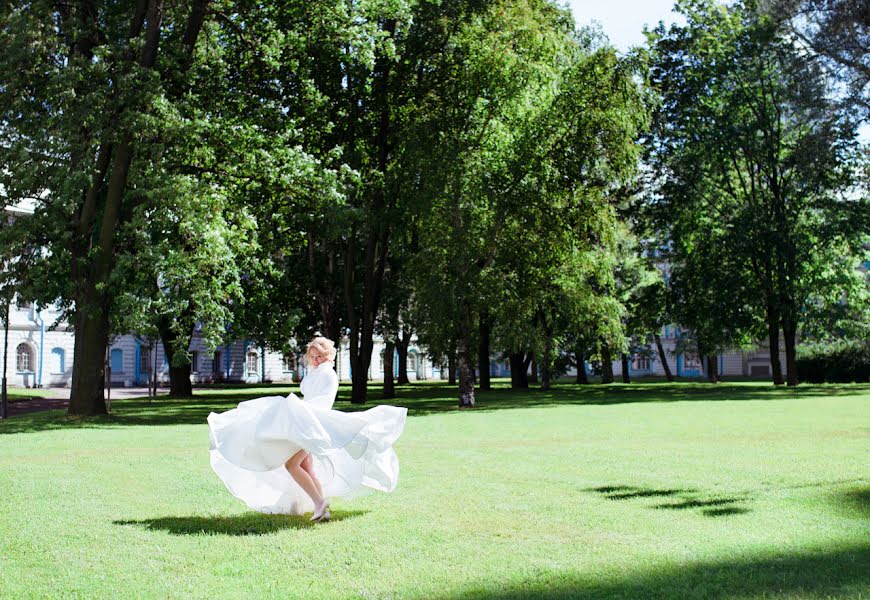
x=712 y=369
x=789 y=332
x=626 y=376
x=606 y=365
x=389 y=383
x=87 y=391
x=773 y=344
x=546 y=373
x=483 y=352
x=664 y=358
x=4 y=398
x=582 y=377
x=179 y=381
x=464 y=358
x=402 y=347
x=519 y=376
x=179 y=374
x=451 y=368
x=361 y=319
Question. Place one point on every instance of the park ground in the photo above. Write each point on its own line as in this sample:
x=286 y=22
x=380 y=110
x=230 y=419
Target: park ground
x=649 y=490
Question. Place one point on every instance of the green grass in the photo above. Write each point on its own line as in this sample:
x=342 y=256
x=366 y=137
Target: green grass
x=21 y=394
x=656 y=490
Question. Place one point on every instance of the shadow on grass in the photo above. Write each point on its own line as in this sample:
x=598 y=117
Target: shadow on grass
x=854 y=502
x=688 y=499
x=423 y=399
x=841 y=572
x=245 y=524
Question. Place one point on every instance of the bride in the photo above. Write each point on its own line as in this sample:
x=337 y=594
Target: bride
x=290 y=455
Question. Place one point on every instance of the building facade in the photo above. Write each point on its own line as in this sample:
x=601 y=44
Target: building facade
x=40 y=352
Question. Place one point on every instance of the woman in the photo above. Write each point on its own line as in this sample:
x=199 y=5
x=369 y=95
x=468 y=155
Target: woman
x=286 y=455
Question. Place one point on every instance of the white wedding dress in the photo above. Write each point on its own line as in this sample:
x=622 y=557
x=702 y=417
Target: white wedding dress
x=352 y=452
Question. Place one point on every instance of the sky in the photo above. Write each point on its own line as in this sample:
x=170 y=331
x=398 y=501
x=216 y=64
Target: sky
x=623 y=20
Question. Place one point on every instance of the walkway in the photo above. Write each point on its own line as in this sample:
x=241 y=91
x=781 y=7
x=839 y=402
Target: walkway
x=59 y=398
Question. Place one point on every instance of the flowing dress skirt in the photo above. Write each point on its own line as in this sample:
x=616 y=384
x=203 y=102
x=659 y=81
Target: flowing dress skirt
x=352 y=452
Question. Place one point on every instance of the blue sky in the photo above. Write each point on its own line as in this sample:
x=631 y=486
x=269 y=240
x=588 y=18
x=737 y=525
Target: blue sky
x=623 y=20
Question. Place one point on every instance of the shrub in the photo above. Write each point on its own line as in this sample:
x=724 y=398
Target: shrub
x=835 y=362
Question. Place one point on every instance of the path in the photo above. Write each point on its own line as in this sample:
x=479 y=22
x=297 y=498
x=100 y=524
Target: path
x=59 y=398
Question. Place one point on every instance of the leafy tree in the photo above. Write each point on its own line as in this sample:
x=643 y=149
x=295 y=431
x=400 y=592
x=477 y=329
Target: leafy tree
x=526 y=154
x=837 y=33
x=753 y=162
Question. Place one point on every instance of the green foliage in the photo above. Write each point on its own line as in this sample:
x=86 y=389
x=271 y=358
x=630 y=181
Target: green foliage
x=754 y=165
x=835 y=362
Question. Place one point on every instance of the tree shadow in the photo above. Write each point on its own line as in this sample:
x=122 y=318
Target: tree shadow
x=713 y=506
x=842 y=572
x=251 y=523
x=854 y=502
x=420 y=399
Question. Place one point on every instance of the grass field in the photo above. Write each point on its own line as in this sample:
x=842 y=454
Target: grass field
x=624 y=491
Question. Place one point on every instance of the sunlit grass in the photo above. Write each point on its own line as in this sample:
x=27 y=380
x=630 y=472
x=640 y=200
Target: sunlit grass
x=628 y=491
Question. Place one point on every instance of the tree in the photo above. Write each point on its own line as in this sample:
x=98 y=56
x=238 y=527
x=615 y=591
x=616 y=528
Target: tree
x=837 y=34
x=87 y=88
x=753 y=162
x=527 y=153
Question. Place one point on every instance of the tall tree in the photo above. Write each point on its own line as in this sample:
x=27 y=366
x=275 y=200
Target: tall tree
x=754 y=162
x=85 y=87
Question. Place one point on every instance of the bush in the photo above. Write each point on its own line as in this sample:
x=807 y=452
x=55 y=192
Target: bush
x=837 y=362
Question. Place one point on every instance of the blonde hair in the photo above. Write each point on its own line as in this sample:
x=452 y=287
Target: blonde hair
x=323 y=345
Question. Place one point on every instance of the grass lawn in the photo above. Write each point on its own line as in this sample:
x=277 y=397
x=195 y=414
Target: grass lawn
x=16 y=394
x=656 y=490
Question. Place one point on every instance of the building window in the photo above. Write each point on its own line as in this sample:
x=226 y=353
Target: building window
x=411 y=362
x=58 y=360
x=25 y=358
x=194 y=361
x=289 y=362
x=691 y=361
x=640 y=362
x=251 y=361
x=116 y=360
x=216 y=363
x=145 y=359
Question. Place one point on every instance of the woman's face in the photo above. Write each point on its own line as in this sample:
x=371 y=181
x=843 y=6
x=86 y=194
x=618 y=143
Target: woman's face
x=315 y=357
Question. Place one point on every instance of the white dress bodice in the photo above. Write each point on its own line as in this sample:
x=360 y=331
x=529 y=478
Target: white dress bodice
x=320 y=386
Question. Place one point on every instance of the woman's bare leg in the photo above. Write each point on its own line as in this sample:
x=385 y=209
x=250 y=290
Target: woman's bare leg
x=308 y=465
x=301 y=476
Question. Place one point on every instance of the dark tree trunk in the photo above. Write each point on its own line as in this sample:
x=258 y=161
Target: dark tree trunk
x=483 y=352
x=712 y=369
x=546 y=373
x=465 y=359
x=533 y=373
x=4 y=399
x=664 y=358
x=789 y=332
x=773 y=344
x=389 y=383
x=582 y=377
x=606 y=365
x=451 y=368
x=179 y=381
x=361 y=319
x=519 y=375
x=179 y=374
x=402 y=347
x=87 y=391
x=626 y=376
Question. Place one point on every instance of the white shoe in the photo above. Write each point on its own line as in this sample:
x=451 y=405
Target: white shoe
x=321 y=511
